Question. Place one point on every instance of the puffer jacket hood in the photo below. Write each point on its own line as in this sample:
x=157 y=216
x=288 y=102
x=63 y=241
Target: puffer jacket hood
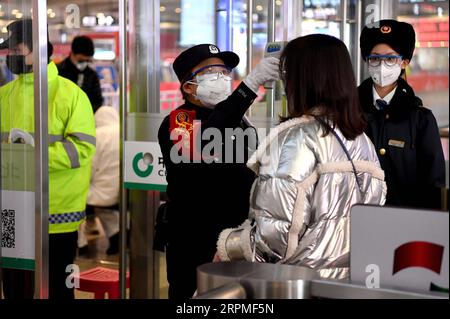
x=106 y=115
x=105 y=181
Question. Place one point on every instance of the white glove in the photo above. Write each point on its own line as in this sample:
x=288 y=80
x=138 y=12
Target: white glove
x=267 y=70
x=20 y=136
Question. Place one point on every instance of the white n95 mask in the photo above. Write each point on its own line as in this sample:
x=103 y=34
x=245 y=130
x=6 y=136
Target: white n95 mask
x=385 y=75
x=82 y=66
x=213 y=89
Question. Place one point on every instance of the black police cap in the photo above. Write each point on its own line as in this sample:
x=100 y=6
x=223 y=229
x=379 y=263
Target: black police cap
x=400 y=36
x=21 y=31
x=191 y=57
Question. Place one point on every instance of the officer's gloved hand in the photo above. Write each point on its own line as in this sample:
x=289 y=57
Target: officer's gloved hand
x=267 y=70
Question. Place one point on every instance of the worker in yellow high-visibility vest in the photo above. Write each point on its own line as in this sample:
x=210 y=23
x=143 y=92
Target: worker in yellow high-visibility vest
x=71 y=129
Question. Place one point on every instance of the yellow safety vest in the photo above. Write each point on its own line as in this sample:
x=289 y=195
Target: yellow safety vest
x=71 y=130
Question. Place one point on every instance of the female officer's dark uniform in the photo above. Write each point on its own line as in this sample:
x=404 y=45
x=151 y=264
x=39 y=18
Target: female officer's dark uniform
x=204 y=198
x=405 y=133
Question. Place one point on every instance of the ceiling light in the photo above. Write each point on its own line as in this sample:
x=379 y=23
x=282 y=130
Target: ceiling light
x=109 y=20
x=89 y=21
x=104 y=55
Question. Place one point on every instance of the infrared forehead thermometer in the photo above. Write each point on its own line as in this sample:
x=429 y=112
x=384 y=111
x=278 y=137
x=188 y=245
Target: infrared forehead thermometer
x=273 y=49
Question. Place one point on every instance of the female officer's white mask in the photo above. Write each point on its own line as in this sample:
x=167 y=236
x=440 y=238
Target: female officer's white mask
x=213 y=89
x=385 y=75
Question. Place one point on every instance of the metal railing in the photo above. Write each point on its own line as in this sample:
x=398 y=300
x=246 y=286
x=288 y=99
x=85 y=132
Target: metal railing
x=245 y=280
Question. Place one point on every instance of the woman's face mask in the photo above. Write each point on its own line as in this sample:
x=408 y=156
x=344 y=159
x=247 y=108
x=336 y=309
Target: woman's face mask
x=16 y=64
x=385 y=75
x=212 y=88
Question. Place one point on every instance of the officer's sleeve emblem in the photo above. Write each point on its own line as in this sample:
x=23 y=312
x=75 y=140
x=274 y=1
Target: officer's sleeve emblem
x=182 y=128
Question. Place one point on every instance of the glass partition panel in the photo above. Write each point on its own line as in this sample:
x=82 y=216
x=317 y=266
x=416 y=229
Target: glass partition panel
x=19 y=146
x=428 y=71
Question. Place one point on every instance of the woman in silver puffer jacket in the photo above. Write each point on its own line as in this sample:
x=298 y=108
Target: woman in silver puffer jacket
x=311 y=169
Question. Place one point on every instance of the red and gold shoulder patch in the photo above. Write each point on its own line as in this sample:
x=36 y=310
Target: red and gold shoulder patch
x=182 y=119
x=182 y=125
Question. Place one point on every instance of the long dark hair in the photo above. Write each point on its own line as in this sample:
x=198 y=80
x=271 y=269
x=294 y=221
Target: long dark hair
x=317 y=72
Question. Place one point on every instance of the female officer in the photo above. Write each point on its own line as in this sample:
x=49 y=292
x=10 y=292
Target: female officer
x=405 y=134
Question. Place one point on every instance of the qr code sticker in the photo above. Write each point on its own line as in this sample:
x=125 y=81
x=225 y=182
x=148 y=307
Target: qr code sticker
x=8 y=228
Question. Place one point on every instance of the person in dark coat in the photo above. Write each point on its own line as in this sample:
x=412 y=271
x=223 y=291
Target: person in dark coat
x=405 y=133
x=207 y=191
x=75 y=68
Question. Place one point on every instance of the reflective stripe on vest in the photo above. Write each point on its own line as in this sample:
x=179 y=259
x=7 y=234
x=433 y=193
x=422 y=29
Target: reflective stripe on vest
x=85 y=138
x=66 y=217
x=72 y=152
x=70 y=148
x=52 y=138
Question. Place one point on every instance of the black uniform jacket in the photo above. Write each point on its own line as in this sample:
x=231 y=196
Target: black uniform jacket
x=91 y=83
x=406 y=137
x=205 y=198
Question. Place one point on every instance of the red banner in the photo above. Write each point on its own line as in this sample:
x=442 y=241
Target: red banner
x=418 y=254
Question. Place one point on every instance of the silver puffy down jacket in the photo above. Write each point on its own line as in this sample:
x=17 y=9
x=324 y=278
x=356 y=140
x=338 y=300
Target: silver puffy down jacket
x=301 y=200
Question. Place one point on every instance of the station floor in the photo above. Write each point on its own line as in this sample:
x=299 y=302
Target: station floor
x=96 y=256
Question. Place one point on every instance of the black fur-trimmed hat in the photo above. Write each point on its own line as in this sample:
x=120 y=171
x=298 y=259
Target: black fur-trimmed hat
x=398 y=35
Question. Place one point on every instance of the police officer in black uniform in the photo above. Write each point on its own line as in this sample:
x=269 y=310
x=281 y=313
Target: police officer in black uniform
x=404 y=132
x=206 y=192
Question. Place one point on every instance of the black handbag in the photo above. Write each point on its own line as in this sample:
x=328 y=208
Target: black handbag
x=161 y=237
